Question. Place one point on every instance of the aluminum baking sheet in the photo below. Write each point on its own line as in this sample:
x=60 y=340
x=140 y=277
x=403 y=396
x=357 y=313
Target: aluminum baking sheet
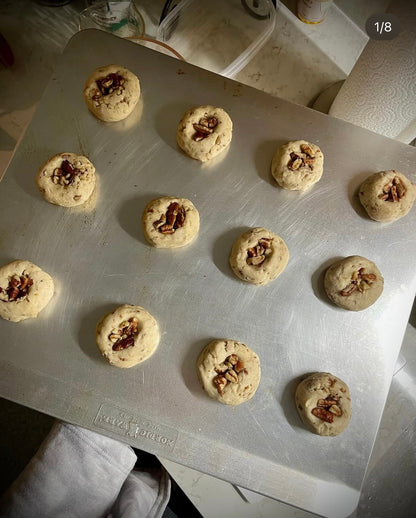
x=99 y=259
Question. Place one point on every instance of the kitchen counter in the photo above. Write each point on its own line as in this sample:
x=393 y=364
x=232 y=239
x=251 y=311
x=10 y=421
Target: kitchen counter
x=296 y=64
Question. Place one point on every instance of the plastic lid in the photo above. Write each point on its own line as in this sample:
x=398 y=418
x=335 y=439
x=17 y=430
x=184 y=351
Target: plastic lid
x=219 y=35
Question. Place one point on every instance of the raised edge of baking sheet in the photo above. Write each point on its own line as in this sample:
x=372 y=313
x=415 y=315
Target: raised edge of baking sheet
x=100 y=259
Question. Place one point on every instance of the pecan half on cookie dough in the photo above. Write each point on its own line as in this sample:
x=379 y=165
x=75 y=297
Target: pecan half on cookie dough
x=112 y=92
x=229 y=371
x=170 y=222
x=25 y=290
x=204 y=132
x=387 y=195
x=323 y=402
x=353 y=283
x=127 y=336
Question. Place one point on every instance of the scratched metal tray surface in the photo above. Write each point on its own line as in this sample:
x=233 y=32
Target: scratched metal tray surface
x=100 y=259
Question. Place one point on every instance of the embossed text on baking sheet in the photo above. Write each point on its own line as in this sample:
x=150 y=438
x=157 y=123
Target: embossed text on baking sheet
x=132 y=426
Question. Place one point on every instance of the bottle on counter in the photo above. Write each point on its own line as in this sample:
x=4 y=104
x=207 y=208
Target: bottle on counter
x=313 y=11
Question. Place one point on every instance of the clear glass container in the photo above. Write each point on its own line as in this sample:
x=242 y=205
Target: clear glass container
x=218 y=35
x=119 y=18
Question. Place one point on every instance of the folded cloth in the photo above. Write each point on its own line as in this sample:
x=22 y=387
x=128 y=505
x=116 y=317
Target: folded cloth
x=144 y=493
x=79 y=473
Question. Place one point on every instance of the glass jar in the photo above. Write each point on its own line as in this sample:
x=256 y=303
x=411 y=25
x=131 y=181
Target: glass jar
x=313 y=11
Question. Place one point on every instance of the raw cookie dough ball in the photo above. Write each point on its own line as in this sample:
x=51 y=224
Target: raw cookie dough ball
x=229 y=371
x=66 y=179
x=387 y=195
x=112 y=92
x=324 y=403
x=204 y=131
x=127 y=336
x=297 y=165
x=353 y=283
x=259 y=256
x=25 y=290
x=170 y=222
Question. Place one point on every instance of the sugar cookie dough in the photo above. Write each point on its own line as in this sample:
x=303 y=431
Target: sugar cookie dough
x=229 y=371
x=111 y=92
x=66 y=179
x=204 y=131
x=170 y=222
x=387 y=195
x=25 y=290
x=297 y=165
x=323 y=402
x=353 y=283
x=127 y=336
x=259 y=256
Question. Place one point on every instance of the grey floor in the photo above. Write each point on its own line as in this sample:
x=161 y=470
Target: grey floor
x=22 y=430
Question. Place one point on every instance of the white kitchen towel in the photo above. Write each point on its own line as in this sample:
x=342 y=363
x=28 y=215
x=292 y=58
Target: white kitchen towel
x=144 y=494
x=380 y=92
x=82 y=474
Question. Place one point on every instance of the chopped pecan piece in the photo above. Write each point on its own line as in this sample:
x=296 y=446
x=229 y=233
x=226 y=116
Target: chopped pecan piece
x=239 y=366
x=295 y=162
x=326 y=408
x=228 y=372
x=258 y=254
x=309 y=161
x=124 y=336
x=65 y=174
x=393 y=191
x=305 y=158
x=108 y=84
x=323 y=414
x=173 y=219
x=221 y=368
x=231 y=361
x=220 y=382
x=204 y=127
x=231 y=376
x=123 y=343
x=305 y=148
x=334 y=409
x=329 y=401
x=359 y=281
x=256 y=260
x=17 y=288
